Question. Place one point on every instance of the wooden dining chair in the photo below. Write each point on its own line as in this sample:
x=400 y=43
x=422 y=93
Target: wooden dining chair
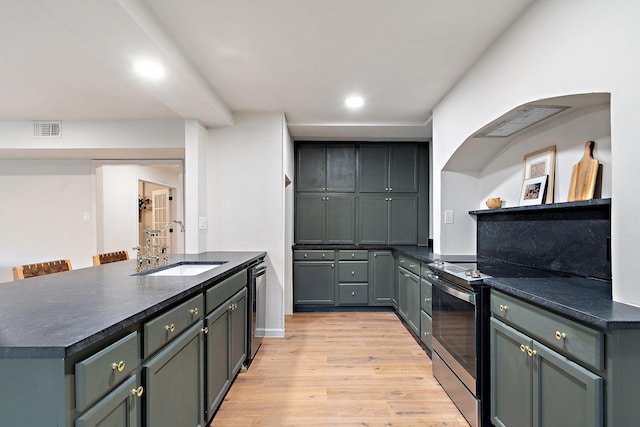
x=40 y=269
x=106 y=258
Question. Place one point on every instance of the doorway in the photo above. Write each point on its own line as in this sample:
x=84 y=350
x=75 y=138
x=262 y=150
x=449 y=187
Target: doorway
x=156 y=209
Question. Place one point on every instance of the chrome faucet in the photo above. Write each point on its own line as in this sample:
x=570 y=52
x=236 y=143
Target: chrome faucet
x=151 y=256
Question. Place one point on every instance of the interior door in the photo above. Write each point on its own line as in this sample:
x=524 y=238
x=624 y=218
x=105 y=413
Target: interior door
x=160 y=215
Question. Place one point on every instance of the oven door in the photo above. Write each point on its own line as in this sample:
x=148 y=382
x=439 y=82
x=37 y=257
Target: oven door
x=455 y=329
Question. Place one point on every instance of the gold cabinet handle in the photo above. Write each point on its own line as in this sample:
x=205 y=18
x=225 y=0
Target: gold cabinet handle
x=353 y=273
x=523 y=348
x=170 y=328
x=305 y=255
x=353 y=255
x=531 y=352
x=353 y=294
x=119 y=366
x=137 y=391
x=332 y=265
x=427 y=300
x=426 y=334
x=560 y=335
x=504 y=307
x=323 y=256
x=204 y=330
x=194 y=311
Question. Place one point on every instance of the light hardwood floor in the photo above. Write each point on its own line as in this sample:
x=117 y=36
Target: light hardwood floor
x=339 y=369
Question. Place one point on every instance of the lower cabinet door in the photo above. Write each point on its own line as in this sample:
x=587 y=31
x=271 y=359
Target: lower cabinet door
x=120 y=408
x=425 y=329
x=511 y=377
x=238 y=333
x=564 y=393
x=314 y=282
x=173 y=382
x=218 y=375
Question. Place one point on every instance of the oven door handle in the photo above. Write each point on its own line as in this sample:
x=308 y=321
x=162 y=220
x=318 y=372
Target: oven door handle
x=469 y=297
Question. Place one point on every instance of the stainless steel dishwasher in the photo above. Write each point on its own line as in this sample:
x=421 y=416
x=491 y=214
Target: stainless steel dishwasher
x=256 y=313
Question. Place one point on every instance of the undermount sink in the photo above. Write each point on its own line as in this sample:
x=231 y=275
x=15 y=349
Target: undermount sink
x=185 y=269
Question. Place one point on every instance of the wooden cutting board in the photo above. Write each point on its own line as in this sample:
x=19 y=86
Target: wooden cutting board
x=584 y=175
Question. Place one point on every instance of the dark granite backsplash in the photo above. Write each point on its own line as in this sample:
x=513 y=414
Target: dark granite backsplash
x=571 y=238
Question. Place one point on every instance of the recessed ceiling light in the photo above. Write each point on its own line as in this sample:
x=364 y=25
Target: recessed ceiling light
x=149 y=69
x=354 y=102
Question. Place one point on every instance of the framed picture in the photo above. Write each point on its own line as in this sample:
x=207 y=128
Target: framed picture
x=533 y=191
x=541 y=163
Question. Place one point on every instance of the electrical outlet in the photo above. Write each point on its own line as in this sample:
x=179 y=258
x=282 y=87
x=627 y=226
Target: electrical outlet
x=448 y=217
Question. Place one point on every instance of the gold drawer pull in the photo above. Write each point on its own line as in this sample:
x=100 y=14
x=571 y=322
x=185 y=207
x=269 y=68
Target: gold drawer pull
x=353 y=273
x=504 y=307
x=170 y=328
x=353 y=294
x=119 y=366
x=560 y=335
x=205 y=330
x=523 y=348
x=531 y=352
x=194 y=311
x=137 y=391
x=427 y=299
x=426 y=334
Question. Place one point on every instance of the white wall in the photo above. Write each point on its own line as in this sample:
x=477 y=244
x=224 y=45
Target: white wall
x=289 y=171
x=554 y=49
x=42 y=213
x=245 y=199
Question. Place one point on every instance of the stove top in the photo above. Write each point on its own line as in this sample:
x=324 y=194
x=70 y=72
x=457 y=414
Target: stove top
x=473 y=273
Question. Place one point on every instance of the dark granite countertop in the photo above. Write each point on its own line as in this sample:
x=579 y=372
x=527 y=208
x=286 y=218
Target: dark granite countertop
x=57 y=315
x=585 y=300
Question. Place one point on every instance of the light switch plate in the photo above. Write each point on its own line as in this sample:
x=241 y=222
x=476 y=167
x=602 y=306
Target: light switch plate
x=202 y=223
x=448 y=217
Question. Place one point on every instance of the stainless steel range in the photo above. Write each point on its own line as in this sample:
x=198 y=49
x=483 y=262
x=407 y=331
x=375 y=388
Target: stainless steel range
x=460 y=337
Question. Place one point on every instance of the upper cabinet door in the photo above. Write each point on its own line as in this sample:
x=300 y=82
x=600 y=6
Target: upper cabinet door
x=403 y=170
x=374 y=168
x=311 y=168
x=341 y=168
x=323 y=168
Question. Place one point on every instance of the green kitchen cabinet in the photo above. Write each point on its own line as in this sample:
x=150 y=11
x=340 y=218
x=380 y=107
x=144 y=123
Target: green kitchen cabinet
x=326 y=168
x=314 y=278
x=325 y=218
x=121 y=408
x=388 y=219
x=388 y=168
x=173 y=386
x=225 y=338
x=425 y=308
x=409 y=297
x=533 y=385
x=381 y=278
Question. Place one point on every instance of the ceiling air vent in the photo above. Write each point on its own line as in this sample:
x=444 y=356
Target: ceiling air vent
x=46 y=129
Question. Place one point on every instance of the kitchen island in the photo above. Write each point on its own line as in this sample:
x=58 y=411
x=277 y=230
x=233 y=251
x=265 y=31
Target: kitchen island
x=82 y=346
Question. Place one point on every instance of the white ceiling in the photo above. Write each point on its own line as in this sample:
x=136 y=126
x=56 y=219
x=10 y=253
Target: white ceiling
x=73 y=60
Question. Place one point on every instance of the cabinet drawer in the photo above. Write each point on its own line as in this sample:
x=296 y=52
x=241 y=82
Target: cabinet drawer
x=354 y=294
x=425 y=329
x=98 y=374
x=425 y=296
x=409 y=264
x=224 y=290
x=353 y=255
x=166 y=327
x=354 y=271
x=313 y=255
x=579 y=341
